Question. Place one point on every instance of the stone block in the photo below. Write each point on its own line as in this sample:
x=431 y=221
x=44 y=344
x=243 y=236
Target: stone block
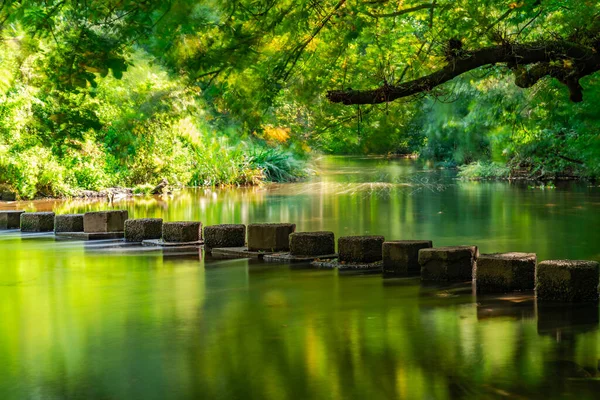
x=360 y=249
x=68 y=223
x=105 y=221
x=138 y=230
x=567 y=280
x=401 y=257
x=181 y=232
x=8 y=196
x=312 y=243
x=448 y=263
x=224 y=236
x=37 y=222
x=10 y=219
x=270 y=237
x=505 y=272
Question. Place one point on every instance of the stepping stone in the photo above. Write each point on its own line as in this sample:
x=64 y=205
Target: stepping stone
x=7 y=194
x=238 y=252
x=343 y=267
x=287 y=258
x=505 y=272
x=224 y=235
x=181 y=232
x=269 y=237
x=10 y=219
x=401 y=257
x=68 y=223
x=448 y=263
x=89 y=235
x=312 y=243
x=104 y=221
x=567 y=280
x=37 y=222
x=138 y=230
x=360 y=249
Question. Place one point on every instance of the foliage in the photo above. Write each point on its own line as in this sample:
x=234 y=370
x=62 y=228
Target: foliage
x=101 y=93
x=276 y=165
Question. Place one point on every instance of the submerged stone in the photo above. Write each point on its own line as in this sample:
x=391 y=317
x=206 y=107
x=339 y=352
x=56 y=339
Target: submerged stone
x=567 y=280
x=238 y=252
x=105 y=221
x=181 y=232
x=224 y=236
x=138 y=230
x=505 y=272
x=10 y=219
x=270 y=237
x=312 y=243
x=37 y=222
x=401 y=257
x=447 y=263
x=68 y=223
x=360 y=249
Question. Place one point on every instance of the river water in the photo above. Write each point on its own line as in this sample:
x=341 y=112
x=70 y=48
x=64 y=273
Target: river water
x=85 y=321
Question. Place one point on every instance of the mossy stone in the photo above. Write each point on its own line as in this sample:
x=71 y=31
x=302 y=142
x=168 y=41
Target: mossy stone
x=312 y=243
x=567 y=280
x=37 y=222
x=224 y=236
x=505 y=272
x=360 y=249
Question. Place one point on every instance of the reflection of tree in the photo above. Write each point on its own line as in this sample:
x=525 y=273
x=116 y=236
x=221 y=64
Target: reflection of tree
x=568 y=327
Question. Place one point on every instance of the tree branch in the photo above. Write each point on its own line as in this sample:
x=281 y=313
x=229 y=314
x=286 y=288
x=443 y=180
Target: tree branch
x=401 y=12
x=566 y=61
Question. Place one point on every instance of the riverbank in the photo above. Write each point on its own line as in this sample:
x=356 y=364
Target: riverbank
x=495 y=171
x=26 y=179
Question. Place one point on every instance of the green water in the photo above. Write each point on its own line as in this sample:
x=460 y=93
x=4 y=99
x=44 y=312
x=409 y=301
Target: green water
x=83 y=321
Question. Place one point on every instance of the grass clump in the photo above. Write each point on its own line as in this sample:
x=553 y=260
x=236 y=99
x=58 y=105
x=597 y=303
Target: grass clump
x=482 y=170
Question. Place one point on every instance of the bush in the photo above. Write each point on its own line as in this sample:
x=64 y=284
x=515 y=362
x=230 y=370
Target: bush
x=277 y=165
x=33 y=172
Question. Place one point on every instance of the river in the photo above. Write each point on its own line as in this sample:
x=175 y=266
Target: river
x=83 y=321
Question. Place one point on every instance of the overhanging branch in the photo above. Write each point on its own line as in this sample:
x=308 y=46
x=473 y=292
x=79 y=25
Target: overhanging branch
x=566 y=61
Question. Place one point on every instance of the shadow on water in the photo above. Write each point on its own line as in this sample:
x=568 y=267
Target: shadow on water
x=518 y=306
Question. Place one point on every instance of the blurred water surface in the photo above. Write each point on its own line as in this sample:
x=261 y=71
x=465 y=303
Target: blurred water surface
x=86 y=321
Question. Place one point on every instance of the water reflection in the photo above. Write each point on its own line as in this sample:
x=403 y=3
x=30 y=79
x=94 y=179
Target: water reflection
x=518 y=306
x=96 y=321
x=398 y=199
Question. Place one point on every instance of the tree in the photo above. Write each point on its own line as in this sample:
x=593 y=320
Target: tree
x=567 y=54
